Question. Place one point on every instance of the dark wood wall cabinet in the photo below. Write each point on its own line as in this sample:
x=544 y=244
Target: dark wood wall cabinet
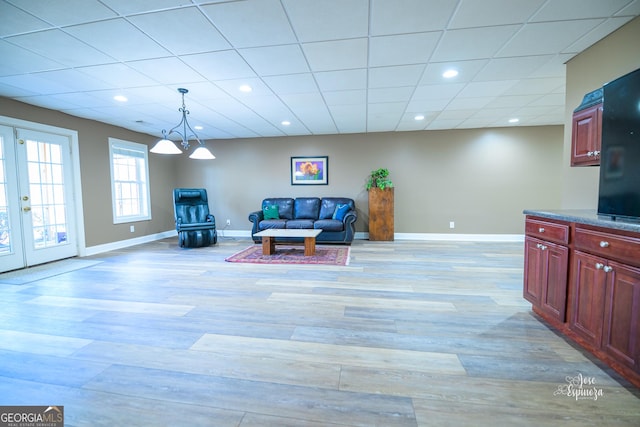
x=584 y=280
x=586 y=131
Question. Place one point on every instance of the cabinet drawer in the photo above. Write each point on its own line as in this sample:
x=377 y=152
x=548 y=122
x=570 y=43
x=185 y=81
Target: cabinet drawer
x=547 y=230
x=610 y=246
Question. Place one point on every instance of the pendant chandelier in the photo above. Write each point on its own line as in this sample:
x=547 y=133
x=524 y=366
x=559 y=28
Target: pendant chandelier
x=166 y=146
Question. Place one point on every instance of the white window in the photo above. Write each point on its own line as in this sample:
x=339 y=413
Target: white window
x=129 y=181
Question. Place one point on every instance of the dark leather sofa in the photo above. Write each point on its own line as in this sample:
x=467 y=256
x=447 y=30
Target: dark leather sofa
x=308 y=212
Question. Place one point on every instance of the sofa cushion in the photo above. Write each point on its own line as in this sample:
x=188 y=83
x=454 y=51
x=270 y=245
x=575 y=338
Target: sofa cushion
x=271 y=212
x=328 y=206
x=341 y=211
x=306 y=208
x=285 y=206
x=272 y=223
x=328 y=225
x=300 y=223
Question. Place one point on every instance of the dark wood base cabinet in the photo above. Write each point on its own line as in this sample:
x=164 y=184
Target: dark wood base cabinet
x=588 y=287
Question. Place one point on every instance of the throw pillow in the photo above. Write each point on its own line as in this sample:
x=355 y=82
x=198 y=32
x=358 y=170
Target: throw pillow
x=271 y=212
x=340 y=212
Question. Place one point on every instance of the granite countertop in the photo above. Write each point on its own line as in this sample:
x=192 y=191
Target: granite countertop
x=584 y=216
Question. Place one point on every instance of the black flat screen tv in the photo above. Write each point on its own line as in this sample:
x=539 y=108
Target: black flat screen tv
x=619 y=192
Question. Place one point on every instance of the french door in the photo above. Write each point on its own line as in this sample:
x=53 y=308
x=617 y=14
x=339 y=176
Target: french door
x=37 y=212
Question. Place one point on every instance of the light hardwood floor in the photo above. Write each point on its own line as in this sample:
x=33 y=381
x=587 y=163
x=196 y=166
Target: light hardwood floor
x=408 y=334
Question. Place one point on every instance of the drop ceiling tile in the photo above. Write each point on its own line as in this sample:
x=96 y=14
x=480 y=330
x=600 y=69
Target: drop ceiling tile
x=342 y=80
x=534 y=86
x=441 y=124
x=423 y=106
x=115 y=74
x=328 y=20
x=578 y=9
x=409 y=16
x=166 y=70
x=20 y=22
x=227 y=64
x=37 y=83
x=402 y=49
x=23 y=61
x=251 y=23
x=189 y=32
x=547 y=38
x=276 y=60
x=598 y=33
x=492 y=89
x=72 y=12
x=294 y=83
x=473 y=43
x=116 y=37
x=390 y=94
x=232 y=87
x=461 y=103
x=441 y=91
x=556 y=67
x=298 y=101
x=11 y=91
x=486 y=13
x=632 y=9
x=511 y=68
x=467 y=70
x=345 y=97
x=126 y=7
x=510 y=102
x=402 y=75
x=336 y=55
x=61 y=47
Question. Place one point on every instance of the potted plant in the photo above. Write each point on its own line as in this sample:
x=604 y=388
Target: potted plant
x=381 y=205
x=379 y=178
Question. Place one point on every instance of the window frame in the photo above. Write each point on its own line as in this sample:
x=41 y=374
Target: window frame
x=141 y=151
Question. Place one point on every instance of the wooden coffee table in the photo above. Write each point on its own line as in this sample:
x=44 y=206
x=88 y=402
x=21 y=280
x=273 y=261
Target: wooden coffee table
x=270 y=236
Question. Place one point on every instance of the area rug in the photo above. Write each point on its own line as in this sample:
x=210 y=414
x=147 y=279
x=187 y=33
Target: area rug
x=39 y=272
x=325 y=255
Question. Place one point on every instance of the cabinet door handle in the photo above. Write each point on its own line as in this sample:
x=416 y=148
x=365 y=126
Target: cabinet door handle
x=596 y=153
x=608 y=269
x=590 y=153
x=599 y=266
x=604 y=244
x=541 y=230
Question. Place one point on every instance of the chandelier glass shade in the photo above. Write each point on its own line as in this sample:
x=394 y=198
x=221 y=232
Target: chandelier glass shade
x=183 y=129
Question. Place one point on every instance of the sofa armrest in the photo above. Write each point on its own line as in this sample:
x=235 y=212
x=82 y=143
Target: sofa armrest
x=256 y=216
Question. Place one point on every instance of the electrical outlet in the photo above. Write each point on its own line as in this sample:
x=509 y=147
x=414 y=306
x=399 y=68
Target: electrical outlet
x=228 y=222
x=132 y=228
x=452 y=224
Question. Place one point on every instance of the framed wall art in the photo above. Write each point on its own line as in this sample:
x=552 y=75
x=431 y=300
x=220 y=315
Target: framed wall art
x=310 y=170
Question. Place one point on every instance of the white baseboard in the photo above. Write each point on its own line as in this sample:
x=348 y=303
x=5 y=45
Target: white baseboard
x=451 y=237
x=93 y=250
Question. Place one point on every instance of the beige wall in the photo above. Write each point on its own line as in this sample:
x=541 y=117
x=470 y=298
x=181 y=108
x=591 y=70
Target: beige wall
x=93 y=141
x=612 y=57
x=480 y=178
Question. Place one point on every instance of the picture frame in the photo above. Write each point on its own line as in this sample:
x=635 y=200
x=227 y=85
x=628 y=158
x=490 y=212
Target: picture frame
x=310 y=170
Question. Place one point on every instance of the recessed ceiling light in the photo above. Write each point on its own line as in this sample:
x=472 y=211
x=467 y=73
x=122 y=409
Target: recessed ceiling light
x=418 y=117
x=120 y=98
x=514 y=120
x=450 y=73
x=198 y=127
x=245 y=88
x=285 y=123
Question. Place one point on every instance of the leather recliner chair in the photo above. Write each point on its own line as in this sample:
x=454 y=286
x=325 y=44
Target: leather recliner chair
x=195 y=225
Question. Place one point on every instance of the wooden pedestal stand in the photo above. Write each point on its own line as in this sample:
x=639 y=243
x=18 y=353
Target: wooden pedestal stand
x=381 y=214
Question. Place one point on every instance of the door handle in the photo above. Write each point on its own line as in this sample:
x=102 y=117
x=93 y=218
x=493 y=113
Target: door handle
x=26 y=208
